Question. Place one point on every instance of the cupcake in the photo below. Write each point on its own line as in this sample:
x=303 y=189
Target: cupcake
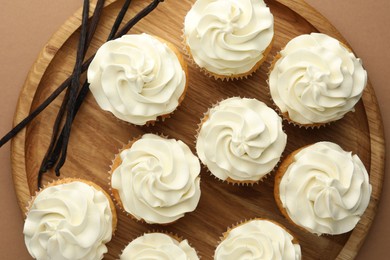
x=69 y=219
x=138 y=78
x=155 y=179
x=240 y=140
x=228 y=39
x=158 y=246
x=322 y=188
x=258 y=239
x=316 y=80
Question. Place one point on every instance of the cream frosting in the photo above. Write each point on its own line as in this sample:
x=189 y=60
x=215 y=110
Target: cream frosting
x=258 y=239
x=241 y=139
x=68 y=221
x=316 y=79
x=137 y=78
x=228 y=37
x=158 y=180
x=325 y=189
x=158 y=246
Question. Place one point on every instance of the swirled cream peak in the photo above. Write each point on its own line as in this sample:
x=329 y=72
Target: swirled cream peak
x=137 y=78
x=158 y=180
x=241 y=139
x=158 y=246
x=325 y=189
x=68 y=221
x=228 y=37
x=316 y=79
x=258 y=239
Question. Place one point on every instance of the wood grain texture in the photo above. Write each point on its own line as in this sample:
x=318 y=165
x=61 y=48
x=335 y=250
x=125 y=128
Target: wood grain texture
x=97 y=136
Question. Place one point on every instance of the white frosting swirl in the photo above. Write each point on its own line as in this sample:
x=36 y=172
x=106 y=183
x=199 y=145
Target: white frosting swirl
x=316 y=79
x=242 y=139
x=158 y=246
x=325 y=189
x=258 y=239
x=228 y=37
x=137 y=78
x=68 y=221
x=158 y=180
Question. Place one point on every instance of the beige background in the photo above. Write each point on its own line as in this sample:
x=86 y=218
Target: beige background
x=26 y=25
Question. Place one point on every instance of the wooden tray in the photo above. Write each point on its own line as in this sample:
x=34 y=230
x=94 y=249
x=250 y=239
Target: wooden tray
x=96 y=135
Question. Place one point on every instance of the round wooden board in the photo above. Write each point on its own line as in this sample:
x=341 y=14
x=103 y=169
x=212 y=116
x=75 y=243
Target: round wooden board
x=97 y=136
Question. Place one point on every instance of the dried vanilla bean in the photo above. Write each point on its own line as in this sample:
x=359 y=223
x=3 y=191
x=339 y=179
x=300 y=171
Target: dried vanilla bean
x=54 y=152
x=47 y=162
x=75 y=93
x=62 y=142
x=75 y=84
